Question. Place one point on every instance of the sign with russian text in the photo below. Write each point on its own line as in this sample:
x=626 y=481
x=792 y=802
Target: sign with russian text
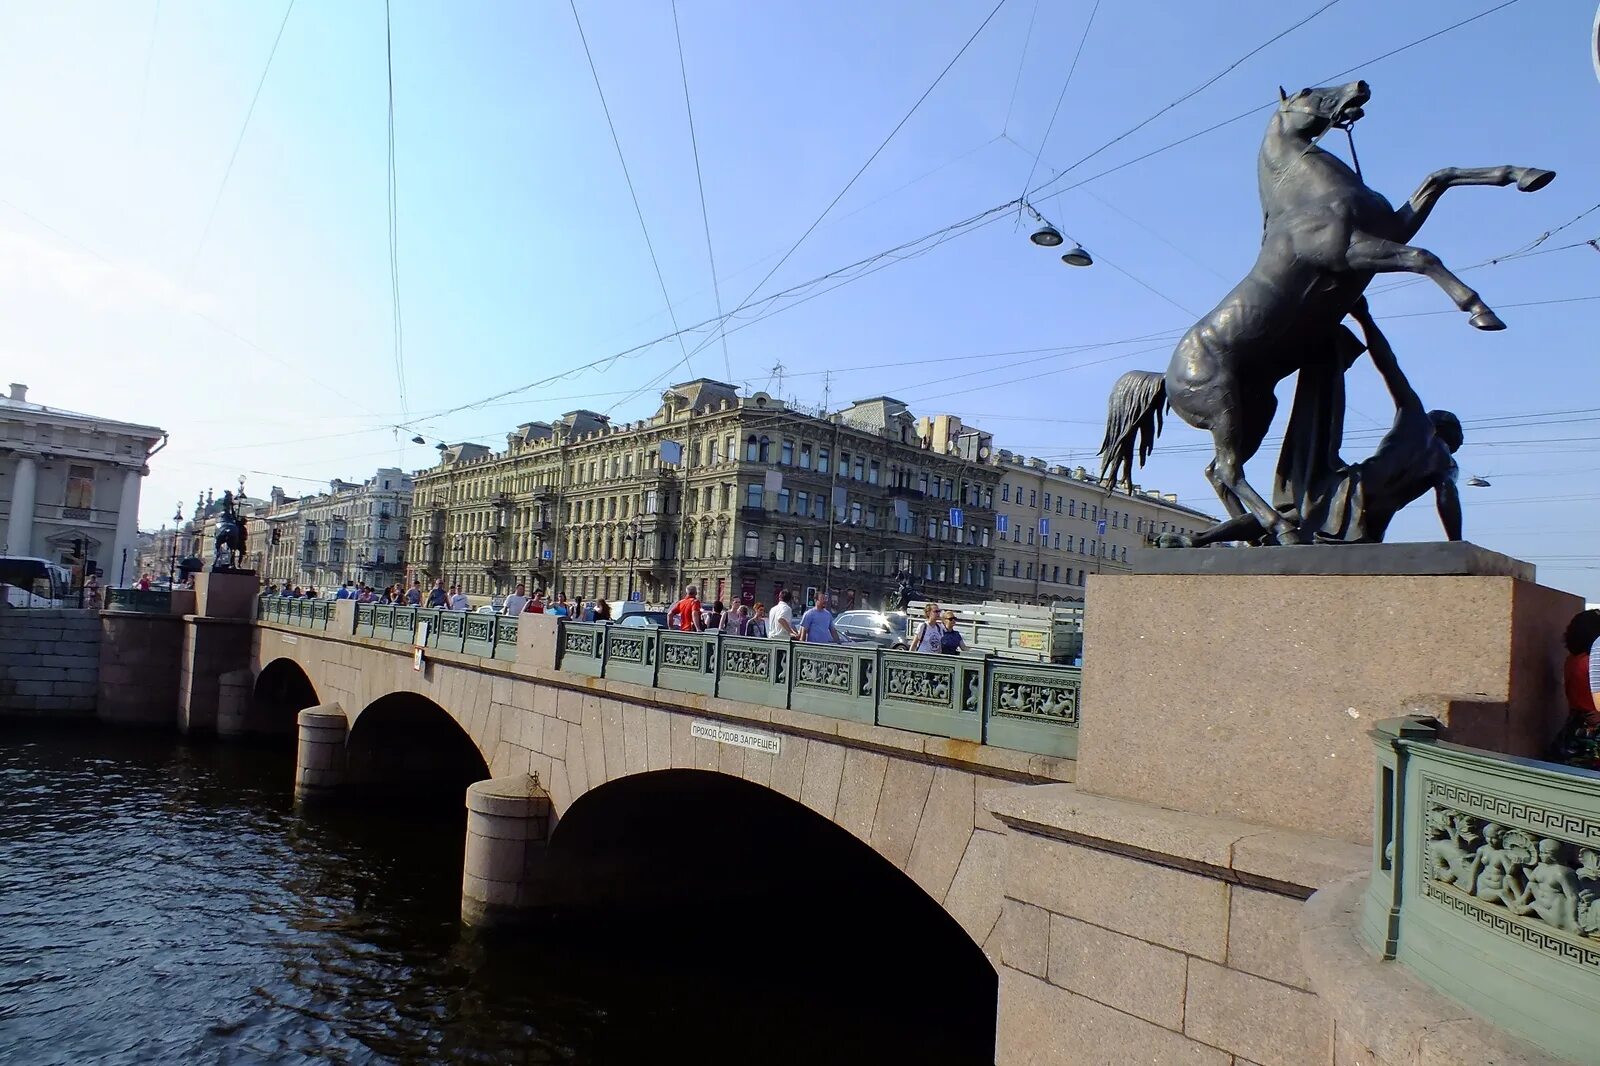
x=739 y=738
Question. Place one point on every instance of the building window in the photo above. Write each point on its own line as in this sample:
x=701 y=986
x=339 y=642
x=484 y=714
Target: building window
x=1055 y=574
x=780 y=546
x=1016 y=568
x=1029 y=572
x=855 y=513
x=861 y=468
x=766 y=450
x=1030 y=534
x=752 y=544
x=752 y=448
x=80 y=492
x=816 y=553
x=1072 y=508
x=805 y=456
x=1005 y=493
x=844 y=464
x=752 y=496
x=872 y=472
x=1033 y=497
x=799 y=549
x=922 y=484
x=822 y=460
x=1047 y=501
x=786 y=453
x=783 y=501
x=803 y=504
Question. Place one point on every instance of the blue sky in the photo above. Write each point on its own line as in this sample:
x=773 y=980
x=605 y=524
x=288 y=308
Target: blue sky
x=264 y=342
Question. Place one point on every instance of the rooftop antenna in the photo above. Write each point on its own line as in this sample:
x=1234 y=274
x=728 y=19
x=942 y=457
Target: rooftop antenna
x=776 y=375
x=827 y=386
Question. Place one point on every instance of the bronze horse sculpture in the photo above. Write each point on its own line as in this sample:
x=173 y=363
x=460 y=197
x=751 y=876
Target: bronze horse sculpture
x=1325 y=236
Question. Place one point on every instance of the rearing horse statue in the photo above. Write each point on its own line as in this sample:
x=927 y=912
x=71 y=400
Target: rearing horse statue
x=1325 y=235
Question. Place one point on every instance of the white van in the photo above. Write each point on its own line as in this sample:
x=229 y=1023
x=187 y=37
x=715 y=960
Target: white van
x=29 y=581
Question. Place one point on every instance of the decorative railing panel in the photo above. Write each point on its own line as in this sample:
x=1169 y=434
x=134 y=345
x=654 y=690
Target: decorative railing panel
x=581 y=647
x=305 y=613
x=687 y=662
x=834 y=679
x=505 y=637
x=631 y=654
x=940 y=694
x=1486 y=882
x=753 y=670
x=139 y=601
x=1033 y=707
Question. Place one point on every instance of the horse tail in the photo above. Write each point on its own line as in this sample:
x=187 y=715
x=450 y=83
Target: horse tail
x=1133 y=420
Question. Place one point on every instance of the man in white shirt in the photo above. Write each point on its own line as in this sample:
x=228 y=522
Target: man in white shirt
x=780 y=620
x=516 y=601
x=458 y=599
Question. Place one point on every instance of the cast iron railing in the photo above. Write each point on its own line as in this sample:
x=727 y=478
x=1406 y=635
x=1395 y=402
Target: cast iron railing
x=968 y=697
x=139 y=601
x=303 y=612
x=1486 y=882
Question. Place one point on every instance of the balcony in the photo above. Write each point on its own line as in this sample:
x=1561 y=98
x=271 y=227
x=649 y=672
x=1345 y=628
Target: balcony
x=905 y=492
x=754 y=516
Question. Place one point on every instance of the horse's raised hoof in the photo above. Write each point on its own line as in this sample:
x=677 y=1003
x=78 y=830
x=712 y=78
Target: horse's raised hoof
x=1487 y=321
x=1533 y=179
x=1290 y=536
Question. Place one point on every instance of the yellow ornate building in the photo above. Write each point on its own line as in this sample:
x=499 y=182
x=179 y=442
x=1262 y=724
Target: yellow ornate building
x=743 y=496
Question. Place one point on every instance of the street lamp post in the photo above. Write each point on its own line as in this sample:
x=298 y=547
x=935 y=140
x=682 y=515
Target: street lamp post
x=177 y=519
x=634 y=528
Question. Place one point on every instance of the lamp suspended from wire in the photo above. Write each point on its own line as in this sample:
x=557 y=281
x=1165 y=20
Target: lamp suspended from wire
x=1478 y=482
x=418 y=439
x=1048 y=236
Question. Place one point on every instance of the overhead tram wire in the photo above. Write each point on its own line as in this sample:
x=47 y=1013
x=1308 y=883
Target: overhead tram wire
x=849 y=184
x=1218 y=76
x=1065 y=85
x=699 y=181
x=1022 y=61
x=238 y=142
x=961 y=228
x=1035 y=193
x=632 y=192
x=394 y=222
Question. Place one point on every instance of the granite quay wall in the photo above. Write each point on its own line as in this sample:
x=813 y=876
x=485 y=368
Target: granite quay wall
x=49 y=661
x=140 y=657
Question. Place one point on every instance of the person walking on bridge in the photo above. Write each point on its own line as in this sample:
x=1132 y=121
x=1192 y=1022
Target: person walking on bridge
x=816 y=625
x=685 y=614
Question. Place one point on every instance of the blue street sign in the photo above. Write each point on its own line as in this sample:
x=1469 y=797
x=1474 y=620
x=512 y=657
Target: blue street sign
x=1044 y=527
x=1102 y=527
x=1001 y=521
x=547 y=554
x=636 y=597
x=955 y=518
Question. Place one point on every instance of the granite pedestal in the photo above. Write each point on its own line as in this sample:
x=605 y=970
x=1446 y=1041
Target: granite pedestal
x=1241 y=682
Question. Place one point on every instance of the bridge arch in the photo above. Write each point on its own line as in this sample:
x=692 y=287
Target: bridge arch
x=281 y=691
x=404 y=747
x=701 y=865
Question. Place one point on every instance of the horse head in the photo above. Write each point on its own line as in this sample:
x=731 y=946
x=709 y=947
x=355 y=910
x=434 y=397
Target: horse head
x=1310 y=113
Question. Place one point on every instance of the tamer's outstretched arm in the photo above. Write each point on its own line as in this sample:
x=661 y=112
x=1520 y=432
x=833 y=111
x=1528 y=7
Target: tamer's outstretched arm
x=1405 y=398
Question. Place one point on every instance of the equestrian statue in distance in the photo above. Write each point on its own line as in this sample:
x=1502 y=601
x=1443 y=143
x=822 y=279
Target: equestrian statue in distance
x=1325 y=236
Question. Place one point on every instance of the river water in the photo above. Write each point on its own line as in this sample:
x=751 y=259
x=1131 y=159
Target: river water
x=164 y=902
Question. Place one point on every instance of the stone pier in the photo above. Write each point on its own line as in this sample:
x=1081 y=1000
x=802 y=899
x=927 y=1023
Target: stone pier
x=508 y=823
x=319 y=768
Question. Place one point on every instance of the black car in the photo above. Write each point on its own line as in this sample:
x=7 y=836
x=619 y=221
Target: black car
x=886 y=629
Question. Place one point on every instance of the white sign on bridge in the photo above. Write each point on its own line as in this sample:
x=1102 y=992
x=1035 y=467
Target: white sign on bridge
x=743 y=738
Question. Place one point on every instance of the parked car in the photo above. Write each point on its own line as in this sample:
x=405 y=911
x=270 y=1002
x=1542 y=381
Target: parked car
x=887 y=629
x=644 y=619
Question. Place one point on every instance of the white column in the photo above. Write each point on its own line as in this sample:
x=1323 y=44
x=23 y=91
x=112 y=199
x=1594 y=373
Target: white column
x=127 y=533
x=19 y=530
